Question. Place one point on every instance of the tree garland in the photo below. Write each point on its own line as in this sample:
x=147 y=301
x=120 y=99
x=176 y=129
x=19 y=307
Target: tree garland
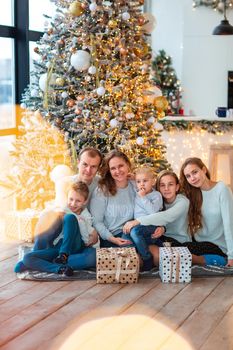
x=213 y=127
x=214 y=4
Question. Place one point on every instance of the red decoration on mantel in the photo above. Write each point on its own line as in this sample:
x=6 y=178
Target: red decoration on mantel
x=181 y=111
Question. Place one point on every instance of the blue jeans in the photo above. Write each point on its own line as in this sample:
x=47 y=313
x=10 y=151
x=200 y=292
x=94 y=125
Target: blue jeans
x=141 y=236
x=42 y=260
x=45 y=239
x=104 y=243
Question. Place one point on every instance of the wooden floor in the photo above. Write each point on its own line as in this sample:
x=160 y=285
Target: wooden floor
x=86 y=315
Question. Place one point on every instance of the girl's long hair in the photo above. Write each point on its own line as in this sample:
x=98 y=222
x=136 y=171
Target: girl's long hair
x=194 y=195
x=106 y=182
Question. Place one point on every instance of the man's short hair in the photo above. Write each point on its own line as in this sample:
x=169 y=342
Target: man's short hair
x=92 y=152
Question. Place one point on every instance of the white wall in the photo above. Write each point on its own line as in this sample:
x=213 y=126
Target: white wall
x=201 y=60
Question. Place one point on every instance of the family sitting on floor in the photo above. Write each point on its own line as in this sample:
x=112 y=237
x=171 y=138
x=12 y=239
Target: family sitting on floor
x=116 y=209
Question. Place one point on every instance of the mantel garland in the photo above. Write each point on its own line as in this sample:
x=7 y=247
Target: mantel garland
x=212 y=127
x=214 y=4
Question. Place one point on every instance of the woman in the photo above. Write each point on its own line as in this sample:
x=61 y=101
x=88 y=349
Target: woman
x=174 y=218
x=112 y=203
x=210 y=216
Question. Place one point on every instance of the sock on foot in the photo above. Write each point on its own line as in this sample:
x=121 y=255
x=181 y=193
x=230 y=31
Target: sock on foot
x=148 y=264
x=66 y=271
x=214 y=259
x=61 y=259
x=20 y=267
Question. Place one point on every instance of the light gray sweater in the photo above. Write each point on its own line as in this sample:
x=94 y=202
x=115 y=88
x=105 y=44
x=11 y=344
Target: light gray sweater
x=217 y=212
x=174 y=218
x=110 y=213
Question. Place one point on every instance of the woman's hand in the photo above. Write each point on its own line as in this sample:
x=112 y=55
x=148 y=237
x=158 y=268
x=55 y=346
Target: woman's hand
x=120 y=241
x=158 y=232
x=129 y=225
x=229 y=262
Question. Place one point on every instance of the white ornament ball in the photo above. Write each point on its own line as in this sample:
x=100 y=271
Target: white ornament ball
x=80 y=60
x=34 y=93
x=64 y=94
x=113 y=123
x=100 y=91
x=158 y=126
x=59 y=172
x=130 y=115
x=175 y=104
x=125 y=16
x=92 y=70
x=43 y=81
x=151 y=120
x=41 y=190
x=93 y=7
x=140 y=141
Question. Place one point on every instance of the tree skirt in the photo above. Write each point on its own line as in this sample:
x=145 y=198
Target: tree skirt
x=197 y=271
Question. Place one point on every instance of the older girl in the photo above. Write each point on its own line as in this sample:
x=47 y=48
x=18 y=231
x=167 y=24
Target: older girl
x=210 y=217
x=174 y=218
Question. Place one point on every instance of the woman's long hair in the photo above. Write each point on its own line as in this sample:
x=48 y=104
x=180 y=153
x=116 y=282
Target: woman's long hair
x=194 y=195
x=106 y=182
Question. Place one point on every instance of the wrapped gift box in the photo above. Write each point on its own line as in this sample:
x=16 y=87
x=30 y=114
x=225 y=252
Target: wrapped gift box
x=21 y=224
x=175 y=264
x=117 y=265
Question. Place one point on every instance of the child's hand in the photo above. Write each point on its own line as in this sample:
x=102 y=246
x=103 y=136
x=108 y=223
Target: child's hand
x=158 y=232
x=141 y=192
x=93 y=238
x=129 y=225
x=229 y=262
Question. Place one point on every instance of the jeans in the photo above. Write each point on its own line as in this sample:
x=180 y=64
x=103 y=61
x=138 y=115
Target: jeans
x=45 y=239
x=141 y=236
x=104 y=243
x=42 y=260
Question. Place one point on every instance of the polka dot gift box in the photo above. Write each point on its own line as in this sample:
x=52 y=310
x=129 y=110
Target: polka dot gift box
x=117 y=265
x=175 y=264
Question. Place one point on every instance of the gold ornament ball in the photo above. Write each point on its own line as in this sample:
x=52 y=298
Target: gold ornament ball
x=60 y=81
x=123 y=51
x=76 y=9
x=112 y=23
x=161 y=103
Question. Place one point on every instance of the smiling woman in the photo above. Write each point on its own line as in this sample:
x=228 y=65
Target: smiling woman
x=112 y=203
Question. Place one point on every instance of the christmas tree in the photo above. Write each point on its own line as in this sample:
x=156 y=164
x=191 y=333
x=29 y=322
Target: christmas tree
x=165 y=77
x=92 y=79
x=38 y=150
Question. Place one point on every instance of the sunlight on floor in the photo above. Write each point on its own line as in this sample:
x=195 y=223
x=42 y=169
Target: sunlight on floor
x=129 y=332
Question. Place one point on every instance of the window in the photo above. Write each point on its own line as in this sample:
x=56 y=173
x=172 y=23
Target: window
x=21 y=25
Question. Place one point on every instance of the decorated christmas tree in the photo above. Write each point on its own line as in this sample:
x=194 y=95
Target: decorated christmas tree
x=92 y=79
x=165 y=77
x=38 y=155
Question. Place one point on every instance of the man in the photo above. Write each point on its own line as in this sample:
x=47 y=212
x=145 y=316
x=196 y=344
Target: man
x=51 y=221
x=88 y=165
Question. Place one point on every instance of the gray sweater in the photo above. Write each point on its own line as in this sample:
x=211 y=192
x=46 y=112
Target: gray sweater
x=110 y=213
x=174 y=218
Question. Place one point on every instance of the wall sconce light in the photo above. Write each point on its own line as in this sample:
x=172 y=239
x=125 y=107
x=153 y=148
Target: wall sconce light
x=224 y=28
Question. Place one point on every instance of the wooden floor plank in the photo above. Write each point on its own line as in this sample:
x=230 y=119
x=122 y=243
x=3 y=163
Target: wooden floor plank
x=65 y=293
x=172 y=315
x=12 y=289
x=55 y=323
x=207 y=315
x=114 y=305
x=222 y=336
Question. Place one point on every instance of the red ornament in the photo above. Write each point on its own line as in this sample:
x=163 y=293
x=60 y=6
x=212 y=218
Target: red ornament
x=70 y=103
